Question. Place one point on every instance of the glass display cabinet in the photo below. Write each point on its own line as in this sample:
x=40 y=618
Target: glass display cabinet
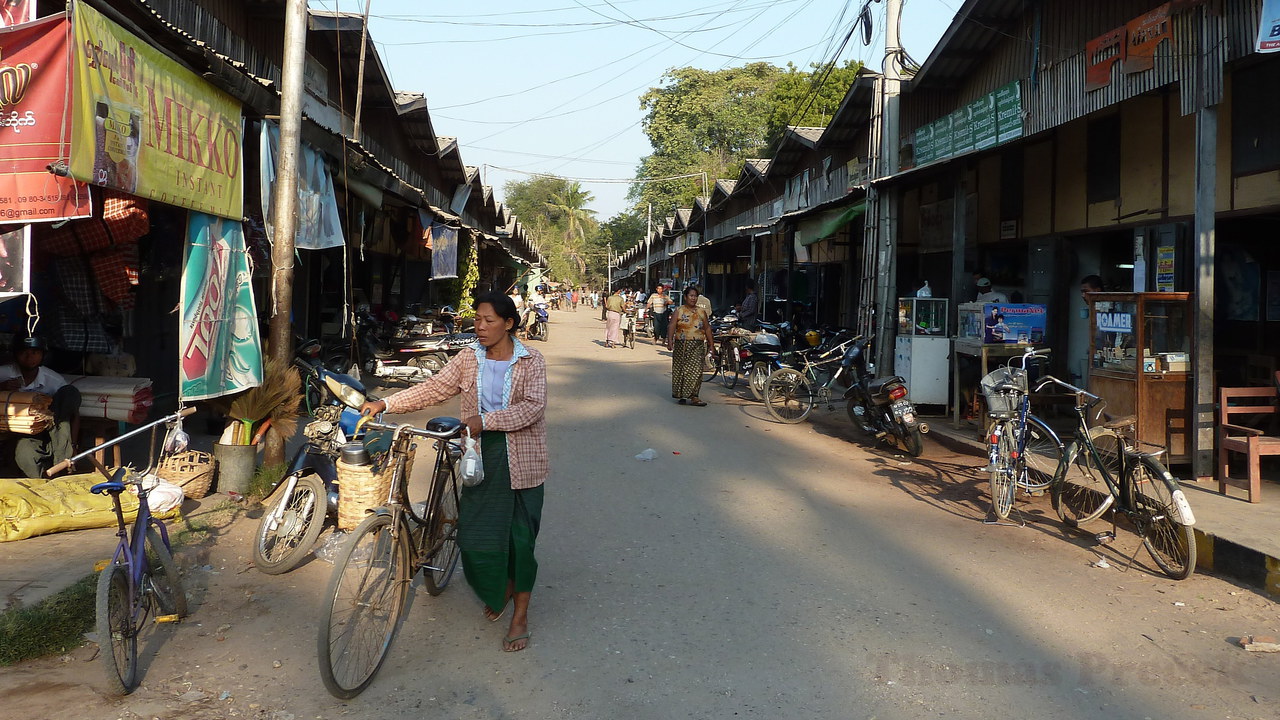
x=922 y=350
x=1140 y=363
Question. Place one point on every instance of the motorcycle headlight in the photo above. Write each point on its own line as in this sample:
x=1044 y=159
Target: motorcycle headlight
x=349 y=396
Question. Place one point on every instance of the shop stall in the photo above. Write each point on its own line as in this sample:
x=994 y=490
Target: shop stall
x=989 y=334
x=922 y=349
x=1140 y=358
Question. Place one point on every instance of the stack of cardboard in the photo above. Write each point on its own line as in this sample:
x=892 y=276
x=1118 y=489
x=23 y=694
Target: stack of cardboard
x=24 y=413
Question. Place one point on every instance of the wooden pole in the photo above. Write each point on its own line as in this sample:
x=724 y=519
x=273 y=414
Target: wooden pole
x=1202 y=419
x=284 y=201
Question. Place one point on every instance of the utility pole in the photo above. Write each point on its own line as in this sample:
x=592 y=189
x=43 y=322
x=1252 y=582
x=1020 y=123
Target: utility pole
x=284 y=201
x=364 y=45
x=648 y=231
x=885 y=199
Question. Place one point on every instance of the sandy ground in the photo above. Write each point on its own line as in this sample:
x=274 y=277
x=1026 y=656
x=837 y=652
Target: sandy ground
x=752 y=569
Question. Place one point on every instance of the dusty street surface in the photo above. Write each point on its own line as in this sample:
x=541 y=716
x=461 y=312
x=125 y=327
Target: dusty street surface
x=763 y=571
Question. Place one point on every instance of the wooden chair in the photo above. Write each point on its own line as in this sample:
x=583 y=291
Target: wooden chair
x=1252 y=442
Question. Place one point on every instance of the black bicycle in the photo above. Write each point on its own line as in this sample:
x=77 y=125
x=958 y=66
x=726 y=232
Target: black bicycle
x=369 y=588
x=1115 y=475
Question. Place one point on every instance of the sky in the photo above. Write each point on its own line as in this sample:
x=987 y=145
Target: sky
x=553 y=86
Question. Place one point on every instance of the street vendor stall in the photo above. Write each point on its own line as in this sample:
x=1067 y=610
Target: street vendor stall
x=989 y=334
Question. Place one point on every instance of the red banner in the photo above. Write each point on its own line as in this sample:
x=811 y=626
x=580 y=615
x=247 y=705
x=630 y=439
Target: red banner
x=35 y=125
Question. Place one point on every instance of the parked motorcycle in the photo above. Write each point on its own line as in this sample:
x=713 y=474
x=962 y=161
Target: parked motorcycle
x=406 y=360
x=539 y=327
x=762 y=355
x=882 y=406
x=297 y=512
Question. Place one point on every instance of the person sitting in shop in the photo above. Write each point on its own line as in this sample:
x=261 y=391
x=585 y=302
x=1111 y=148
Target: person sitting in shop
x=987 y=295
x=35 y=454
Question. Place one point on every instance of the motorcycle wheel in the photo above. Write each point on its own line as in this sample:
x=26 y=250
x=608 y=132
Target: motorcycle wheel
x=281 y=549
x=859 y=421
x=913 y=441
x=757 y=379
x=431 y=363
x=546 y=332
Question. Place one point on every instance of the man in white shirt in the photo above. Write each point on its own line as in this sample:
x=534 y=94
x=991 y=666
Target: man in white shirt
x=535 y=297
x=36 y=453
x=987 y=295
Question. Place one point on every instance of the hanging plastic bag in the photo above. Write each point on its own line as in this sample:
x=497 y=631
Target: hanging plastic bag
x=471 y=468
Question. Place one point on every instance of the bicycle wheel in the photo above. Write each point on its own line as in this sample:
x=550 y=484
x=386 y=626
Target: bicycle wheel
x=758 y=378
x=1080 y=494
x=711 y=365
x=1004 y=469
x=442 y=541
x=117 y=637
x=1042 y=454
x=282 y=544
x=161 y=581
x=1159 y=519
x=367 y=594
x=788 y=395
x=728 y=365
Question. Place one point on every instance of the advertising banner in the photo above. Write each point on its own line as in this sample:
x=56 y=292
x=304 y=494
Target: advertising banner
x=33 y=73
x=444 y=252
x=318 y=226
x=1269 y=27
x=1013 y=324
x=221 y=352
x=145 y=125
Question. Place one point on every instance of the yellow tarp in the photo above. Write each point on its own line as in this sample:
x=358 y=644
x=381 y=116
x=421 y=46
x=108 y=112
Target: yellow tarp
x=39 y=507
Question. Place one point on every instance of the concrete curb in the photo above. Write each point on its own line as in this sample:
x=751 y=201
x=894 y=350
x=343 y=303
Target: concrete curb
x=1214 y=553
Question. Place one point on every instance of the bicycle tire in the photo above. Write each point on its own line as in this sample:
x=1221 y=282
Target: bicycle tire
x=1004 y=470
x=369 y=586
x=282 y=548
x=711 y=365
x=728 y=365
x=442 y=541
x=1042 y=456
x=162 y=582
x=758 y=379
x=1170 y=541
x=788 y=395
x=117 y=635
x=1083 y=496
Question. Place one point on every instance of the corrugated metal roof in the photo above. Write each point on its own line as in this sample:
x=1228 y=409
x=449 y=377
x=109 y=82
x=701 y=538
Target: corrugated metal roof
x=978 y=26
x=760 y=167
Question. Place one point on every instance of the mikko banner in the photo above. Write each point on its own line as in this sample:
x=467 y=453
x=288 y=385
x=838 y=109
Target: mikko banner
x=145 y=125
x=34 y=128
x=221 y=351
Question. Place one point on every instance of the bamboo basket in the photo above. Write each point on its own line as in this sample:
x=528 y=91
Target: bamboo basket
x=361 y=489
x=191 y=470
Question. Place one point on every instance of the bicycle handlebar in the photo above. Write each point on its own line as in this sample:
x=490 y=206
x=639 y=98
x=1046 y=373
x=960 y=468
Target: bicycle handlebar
x=1047 y=379
x=184 y=412
x=408 y=429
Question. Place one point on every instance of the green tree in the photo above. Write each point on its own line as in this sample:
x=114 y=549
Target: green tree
x=570 y=209
x=555 y=215
x=808 y=99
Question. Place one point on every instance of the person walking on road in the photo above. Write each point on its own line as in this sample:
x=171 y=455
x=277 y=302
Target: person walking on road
x=614 y=306
x=657 y=304
x=688 y=340
x=504 y=400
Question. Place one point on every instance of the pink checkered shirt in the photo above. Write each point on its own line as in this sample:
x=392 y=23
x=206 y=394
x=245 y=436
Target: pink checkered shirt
x=523 y=419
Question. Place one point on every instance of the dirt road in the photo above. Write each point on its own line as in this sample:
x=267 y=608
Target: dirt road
x=763 y=571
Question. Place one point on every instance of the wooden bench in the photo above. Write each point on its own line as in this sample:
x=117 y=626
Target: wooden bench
x=1253 y=443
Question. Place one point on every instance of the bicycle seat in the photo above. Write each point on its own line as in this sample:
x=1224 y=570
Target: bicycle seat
x=114 y=485
x=444 y=426
x=1120 y=422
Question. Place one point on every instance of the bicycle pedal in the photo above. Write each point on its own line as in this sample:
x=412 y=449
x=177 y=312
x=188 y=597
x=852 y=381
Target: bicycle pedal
x=101 y=565
x=167 y=618
x=1105 y=538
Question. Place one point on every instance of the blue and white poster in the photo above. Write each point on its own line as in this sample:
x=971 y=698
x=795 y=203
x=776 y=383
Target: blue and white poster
x=444 y=252
x=318 y=225
x=1269 y=27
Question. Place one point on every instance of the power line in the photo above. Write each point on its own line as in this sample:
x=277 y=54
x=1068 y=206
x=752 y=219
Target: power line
x=619 y=181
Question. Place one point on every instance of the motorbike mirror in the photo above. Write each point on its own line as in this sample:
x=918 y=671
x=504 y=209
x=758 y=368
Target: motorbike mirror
x=349 y=396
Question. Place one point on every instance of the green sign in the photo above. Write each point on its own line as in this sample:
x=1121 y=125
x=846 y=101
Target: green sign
x=1009 y=112
x=982 y=116
x=991 y=120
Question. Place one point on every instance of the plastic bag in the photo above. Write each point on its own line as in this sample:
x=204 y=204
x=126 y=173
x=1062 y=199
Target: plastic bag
x=328 y=550
x=470 y=466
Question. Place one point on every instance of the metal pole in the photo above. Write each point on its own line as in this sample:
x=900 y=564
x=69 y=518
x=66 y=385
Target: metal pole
x=284 y=201
x=1205 y=223
x=648 y=231
x=364 y=44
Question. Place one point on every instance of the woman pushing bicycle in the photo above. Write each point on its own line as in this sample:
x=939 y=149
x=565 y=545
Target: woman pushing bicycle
x=504 y=398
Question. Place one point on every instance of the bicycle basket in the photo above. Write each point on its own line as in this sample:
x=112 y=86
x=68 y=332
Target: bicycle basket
x=1003 y=389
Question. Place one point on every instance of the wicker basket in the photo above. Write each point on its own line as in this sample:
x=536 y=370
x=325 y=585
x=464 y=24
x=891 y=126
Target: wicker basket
x=191 y=470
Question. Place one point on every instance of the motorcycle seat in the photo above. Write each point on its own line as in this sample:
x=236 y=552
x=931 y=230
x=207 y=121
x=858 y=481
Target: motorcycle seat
x=875 y=386
x=763 y=349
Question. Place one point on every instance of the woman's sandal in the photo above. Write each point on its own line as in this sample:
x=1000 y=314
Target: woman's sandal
x=698 y=403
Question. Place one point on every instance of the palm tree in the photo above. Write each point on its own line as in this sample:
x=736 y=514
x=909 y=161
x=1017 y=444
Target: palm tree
x=572 y=206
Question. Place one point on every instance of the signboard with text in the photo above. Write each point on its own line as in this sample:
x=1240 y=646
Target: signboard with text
x=990 y=120
x=145 y=125
x=33 y=71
